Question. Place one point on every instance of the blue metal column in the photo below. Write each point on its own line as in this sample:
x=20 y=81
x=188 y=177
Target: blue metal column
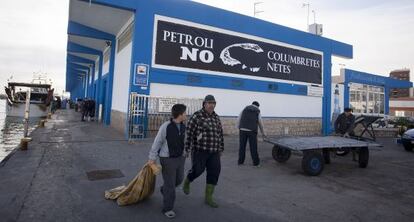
x=143 y=21
x=326 y=100
x=92 y=95
x=387 y=100
x=87 y=87
x=108 y=106
x=99 y=96
x=346 y=91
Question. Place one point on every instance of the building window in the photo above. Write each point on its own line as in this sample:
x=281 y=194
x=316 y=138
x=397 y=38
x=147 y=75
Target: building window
x=106 y=56
x=399 y=113
x=366 y=99
x=125 y=38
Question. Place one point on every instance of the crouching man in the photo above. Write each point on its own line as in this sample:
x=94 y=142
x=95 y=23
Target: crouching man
x=344 y=124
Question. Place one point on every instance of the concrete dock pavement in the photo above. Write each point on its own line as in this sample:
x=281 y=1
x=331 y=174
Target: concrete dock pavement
x=49 y=182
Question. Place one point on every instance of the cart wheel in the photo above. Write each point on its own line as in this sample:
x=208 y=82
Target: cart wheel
x=326 y=156
x=342 y=152
x=408 y=147
x=280 y=154
x=312 y=162
x=363 y=157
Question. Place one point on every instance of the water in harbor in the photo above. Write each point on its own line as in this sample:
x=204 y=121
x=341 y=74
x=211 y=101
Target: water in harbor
x=11 y=131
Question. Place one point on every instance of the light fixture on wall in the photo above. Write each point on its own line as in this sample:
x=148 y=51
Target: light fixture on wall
x=108 y=43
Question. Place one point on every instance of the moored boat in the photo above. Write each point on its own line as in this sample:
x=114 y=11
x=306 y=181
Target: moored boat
x=41 y=96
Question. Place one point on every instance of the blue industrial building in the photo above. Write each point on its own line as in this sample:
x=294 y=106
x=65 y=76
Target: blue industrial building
x=164 y=48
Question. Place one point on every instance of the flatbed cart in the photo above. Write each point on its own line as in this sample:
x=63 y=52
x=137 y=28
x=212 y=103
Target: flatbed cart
x=316 y=150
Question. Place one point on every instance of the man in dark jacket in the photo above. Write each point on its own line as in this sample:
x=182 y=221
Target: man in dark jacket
x=344 y=124
x=205 y=142
x=91 y=109
x=247 y=123
x=85 y=109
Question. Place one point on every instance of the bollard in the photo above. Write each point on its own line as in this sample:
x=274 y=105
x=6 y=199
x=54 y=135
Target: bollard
x=49 y=115
x=42 y=123
x=24 y=143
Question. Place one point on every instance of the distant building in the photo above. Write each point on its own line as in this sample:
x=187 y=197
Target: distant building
x=365 y=93
x=401 y=74
x=402 y=107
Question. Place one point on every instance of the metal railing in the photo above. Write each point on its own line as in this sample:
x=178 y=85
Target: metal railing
x=146 y=114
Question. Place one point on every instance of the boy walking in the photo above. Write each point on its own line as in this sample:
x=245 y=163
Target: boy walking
x=169 y=146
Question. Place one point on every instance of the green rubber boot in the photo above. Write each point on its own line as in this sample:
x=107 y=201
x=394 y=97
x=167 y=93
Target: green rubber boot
x=209 y=196
x=186 y=187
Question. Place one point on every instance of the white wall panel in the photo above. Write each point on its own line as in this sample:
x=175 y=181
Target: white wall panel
x=401 y=103
x=121 y=79
x=96 y=71
x=231 y=102
x=105 y=68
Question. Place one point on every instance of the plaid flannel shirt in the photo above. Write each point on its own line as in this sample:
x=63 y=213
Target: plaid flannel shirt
x=204 y=132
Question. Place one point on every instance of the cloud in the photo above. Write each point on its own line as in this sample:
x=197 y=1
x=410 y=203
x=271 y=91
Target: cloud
x=33 y=39
x=34 y=32
x=380 y=31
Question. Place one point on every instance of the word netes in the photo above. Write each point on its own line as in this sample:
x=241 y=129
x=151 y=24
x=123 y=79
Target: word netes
x=205 y=55
x=276 y=67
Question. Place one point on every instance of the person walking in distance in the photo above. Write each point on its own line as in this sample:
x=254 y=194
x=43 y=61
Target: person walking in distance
x=169 y=147
x=247 y=123
x=205 y=142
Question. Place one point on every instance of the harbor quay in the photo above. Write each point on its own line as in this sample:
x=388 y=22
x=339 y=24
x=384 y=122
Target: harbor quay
x=204 y=110
x=69 y=164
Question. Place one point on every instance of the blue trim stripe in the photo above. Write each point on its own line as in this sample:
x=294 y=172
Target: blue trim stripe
x=75 y=28
x=74 y=47
x=353 y=76
x=74 y=58
x=375 y=80
x=222 y=82
x=72 y=80
x=272 y=117
x=77 y=66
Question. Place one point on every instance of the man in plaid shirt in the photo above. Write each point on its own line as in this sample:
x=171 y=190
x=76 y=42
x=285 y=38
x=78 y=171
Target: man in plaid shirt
x=204 y=140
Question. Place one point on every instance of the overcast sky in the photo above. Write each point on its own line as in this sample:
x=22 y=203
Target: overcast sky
x=33 y=39
x=33 y=32
x=381 y=31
